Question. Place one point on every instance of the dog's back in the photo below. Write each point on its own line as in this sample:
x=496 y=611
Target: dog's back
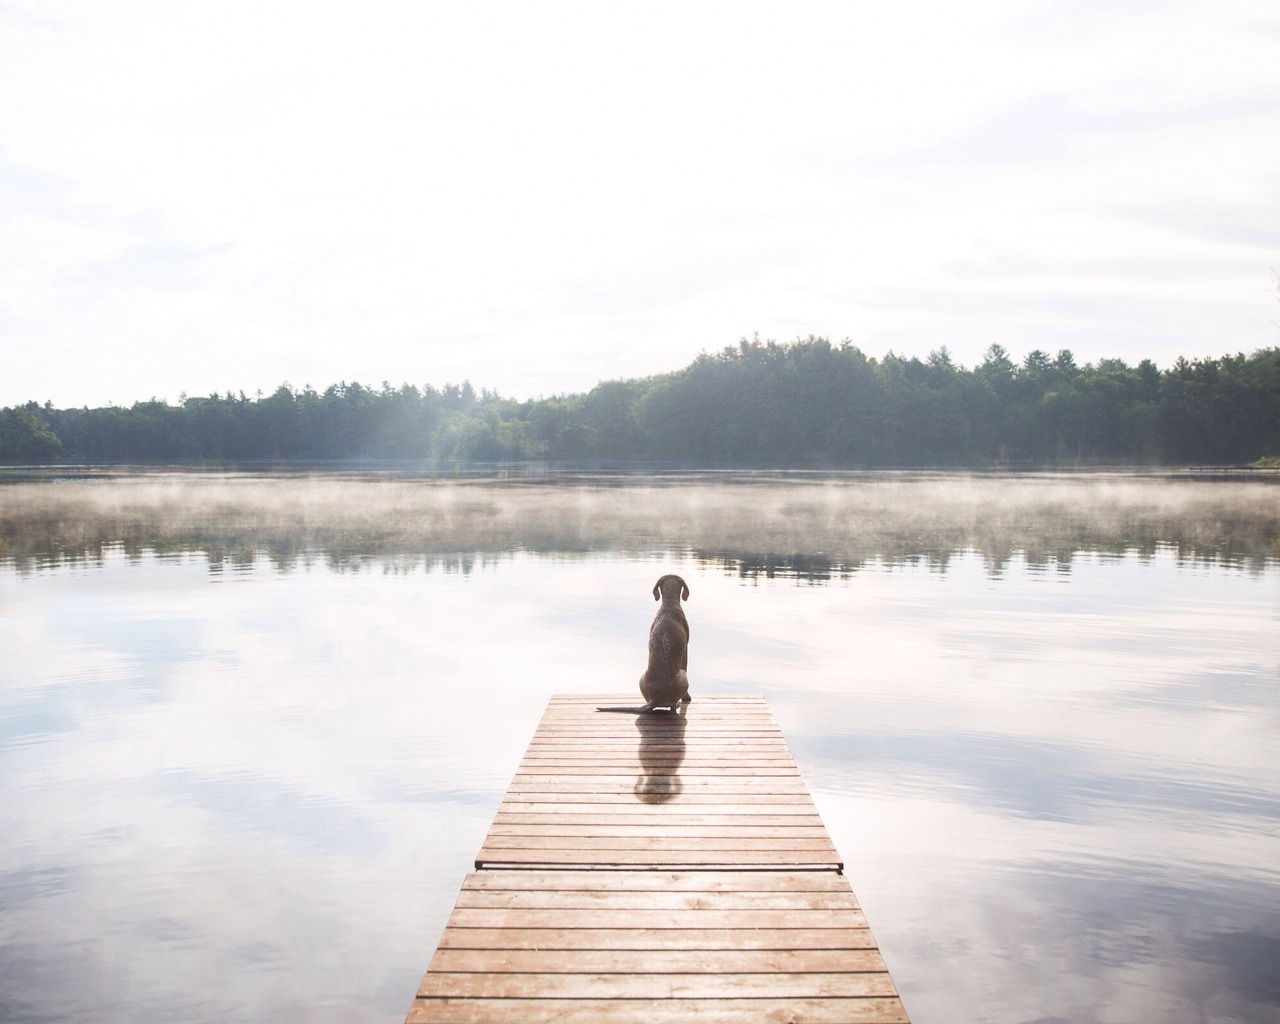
x=668 y=641
x=665 y=682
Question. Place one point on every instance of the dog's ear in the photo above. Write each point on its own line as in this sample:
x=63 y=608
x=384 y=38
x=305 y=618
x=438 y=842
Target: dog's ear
x=657 y=588
x=684 y=590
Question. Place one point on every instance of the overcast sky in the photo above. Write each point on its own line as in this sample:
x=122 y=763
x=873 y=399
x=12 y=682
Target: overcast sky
x=538 y=196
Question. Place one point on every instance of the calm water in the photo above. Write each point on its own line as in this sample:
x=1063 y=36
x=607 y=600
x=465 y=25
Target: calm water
x=253 y=730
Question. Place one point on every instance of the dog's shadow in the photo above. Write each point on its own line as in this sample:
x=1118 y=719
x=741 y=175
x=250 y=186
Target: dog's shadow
x=661 y=753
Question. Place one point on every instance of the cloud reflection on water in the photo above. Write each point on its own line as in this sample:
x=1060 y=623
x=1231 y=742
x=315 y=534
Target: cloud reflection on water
x=1054 y=791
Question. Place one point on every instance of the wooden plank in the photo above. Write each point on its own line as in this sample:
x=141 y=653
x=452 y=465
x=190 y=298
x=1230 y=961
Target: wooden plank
x=552 y=786
x=655 y=844
x=705 y=740
x=657 y=868
x=786 y=802
x=655 y=817
x=566 y=777
x=649 y=918
x=774 y=806
x=706 y=775
x=669 y=1011
x=644 y=940
x=753 y=745
x=628 y=762
x=660 y=828
x=654 y=881
x=642 y=860
x=697 y=774
x=561 y=900
x=598 y=961
x=503 y=985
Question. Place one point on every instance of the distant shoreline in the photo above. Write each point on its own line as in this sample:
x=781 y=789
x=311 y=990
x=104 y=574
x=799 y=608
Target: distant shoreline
x=540 y=470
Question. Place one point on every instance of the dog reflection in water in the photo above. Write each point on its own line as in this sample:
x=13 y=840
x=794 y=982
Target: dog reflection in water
x=661 y=753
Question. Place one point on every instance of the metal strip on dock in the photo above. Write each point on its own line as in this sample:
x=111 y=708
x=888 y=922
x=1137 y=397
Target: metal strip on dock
x=657 y=868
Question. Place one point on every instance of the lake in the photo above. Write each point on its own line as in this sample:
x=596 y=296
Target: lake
x=253 y=727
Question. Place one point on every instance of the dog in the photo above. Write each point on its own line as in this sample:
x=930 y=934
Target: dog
x=665 y=682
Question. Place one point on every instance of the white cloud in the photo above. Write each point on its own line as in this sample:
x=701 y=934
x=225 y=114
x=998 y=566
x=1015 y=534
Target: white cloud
x=540 y=196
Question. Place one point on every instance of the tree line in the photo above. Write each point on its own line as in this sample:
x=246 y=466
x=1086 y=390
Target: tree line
x=805 y=403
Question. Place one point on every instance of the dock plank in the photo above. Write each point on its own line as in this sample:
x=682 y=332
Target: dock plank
x=603 y=961
x=645 y=940
x=630 y=985
x=669 y=1011
x=653 y=881
x=657 y=868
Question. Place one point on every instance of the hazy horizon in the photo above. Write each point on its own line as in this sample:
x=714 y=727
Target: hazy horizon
x=541 y=197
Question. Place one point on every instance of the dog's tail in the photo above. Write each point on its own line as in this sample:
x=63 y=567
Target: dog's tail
x=644 y=709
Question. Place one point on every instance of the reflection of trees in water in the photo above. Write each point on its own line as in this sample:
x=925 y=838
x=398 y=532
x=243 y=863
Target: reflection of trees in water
x=661 y=753
x=808 y=529
x=996 y=557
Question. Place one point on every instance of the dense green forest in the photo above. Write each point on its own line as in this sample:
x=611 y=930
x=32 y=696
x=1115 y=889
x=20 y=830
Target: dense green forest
x=807 y=403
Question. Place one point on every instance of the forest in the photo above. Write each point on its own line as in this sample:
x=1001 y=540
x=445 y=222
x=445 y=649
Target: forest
x=808 y=403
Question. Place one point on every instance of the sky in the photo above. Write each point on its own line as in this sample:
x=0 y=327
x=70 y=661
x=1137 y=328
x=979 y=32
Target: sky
x=536 y=197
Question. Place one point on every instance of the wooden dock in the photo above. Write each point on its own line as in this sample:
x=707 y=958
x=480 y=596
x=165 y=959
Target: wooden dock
x=657 y=868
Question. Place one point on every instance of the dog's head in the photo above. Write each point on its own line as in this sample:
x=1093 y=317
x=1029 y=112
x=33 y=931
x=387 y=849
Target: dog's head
x=669 y=584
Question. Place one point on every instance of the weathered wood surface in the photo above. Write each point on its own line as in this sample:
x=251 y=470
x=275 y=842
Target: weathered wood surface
x=658 y=868
x=713 y=786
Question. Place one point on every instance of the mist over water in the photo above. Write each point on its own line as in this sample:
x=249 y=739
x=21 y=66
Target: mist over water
x=253 y=729
x=794 y=524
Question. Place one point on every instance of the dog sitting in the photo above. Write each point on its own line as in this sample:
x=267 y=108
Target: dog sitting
x=665 y=682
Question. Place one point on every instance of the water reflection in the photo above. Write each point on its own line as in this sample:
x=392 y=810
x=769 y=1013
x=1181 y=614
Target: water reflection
x=814 y=529
x=1054 y=779
x=229 y=783
x=661 y=753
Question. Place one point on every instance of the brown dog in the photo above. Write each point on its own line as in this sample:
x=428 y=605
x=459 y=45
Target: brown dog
x=665 y=683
